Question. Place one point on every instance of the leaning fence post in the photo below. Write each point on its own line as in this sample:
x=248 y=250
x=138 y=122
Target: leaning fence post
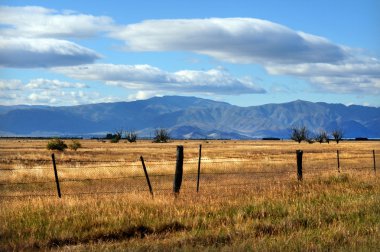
x=178 y=170
x=299 y=164
x=199 y=166
x=374 y=161
x=56 y=175
x=146 y=176
x=337 y=157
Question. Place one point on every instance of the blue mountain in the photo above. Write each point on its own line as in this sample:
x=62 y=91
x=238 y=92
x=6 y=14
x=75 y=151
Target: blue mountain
x=189 y=117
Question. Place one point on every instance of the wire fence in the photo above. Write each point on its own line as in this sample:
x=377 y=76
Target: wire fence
x=21 y=177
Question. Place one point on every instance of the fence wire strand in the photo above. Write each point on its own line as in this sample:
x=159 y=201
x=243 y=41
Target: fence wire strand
x=124 y=176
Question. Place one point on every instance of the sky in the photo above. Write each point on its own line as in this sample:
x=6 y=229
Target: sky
x=63 y=53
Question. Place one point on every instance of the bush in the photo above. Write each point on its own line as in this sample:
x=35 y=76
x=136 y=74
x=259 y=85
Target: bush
x=56 y=144
x=75 y=144
x=115 y=138
x=131 y=136
x=161 y=136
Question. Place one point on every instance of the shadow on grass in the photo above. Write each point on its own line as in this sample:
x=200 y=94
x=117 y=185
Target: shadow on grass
x=140 y=231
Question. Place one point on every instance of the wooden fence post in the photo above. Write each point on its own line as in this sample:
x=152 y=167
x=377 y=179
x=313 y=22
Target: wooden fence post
x=146 y=176
x=337 y=157
x=199 y=166
x=374 y=161
x=299 y=164
x=56 y=175
x=178 y=170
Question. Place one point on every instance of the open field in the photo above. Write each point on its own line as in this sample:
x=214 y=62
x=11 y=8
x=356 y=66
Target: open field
x=249 y=197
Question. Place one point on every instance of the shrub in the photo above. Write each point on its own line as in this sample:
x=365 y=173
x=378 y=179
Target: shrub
x=56 y=144
x=74 y=145
x=161 y=136
x=131 y=136
x=115 y=138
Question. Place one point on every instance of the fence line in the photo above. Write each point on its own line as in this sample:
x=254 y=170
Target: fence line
x=207 y=176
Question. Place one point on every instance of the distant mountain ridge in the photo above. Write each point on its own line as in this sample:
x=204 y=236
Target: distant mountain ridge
x=189 y=117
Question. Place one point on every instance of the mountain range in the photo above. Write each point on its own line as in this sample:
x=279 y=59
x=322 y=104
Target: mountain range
x=189 y=117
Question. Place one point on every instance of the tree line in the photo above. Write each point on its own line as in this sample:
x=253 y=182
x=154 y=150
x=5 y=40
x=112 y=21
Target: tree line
x=301 y=133
x=160 y=136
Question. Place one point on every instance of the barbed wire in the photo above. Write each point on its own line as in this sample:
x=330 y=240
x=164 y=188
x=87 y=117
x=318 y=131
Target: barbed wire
x=136 y=162
x=212 y=178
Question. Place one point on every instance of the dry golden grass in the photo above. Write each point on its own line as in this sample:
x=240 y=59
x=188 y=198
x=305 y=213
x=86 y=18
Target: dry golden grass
x=249 y=197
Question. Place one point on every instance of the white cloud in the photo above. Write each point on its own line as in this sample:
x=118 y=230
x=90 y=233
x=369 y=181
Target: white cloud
x=57 y=97
x=53 y=84
x=279 y=49
x=48 y=92
x=64 y=98
x=34 y=21
x=149 y=78
x=10 y=85
x=237 y=40
x=31 y=37
x=7 y=97
x=30 y=53
x=356 y=75
x=142 y=95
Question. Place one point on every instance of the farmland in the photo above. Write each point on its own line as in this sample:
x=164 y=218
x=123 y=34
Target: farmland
x=249 y=197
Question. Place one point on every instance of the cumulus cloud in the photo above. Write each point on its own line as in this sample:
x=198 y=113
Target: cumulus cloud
x=35 y=21
x=237 y=40
x=42 y=52
x=148 y=78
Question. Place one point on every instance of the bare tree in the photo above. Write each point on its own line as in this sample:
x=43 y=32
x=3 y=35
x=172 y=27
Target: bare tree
x=299 y=134
x=337 y=135
x=322 y=136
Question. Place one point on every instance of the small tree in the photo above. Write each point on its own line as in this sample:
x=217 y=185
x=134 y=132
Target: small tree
x=322 y=136
x=131 y=136
x=310 y=140
x=115 y=138
x=56 y=144
x=161 y=136
x=74 y=145
x=299 y=134
x=337 y=135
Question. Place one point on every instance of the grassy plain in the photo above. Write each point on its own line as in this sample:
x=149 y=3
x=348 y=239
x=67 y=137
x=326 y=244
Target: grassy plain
x=249 y=197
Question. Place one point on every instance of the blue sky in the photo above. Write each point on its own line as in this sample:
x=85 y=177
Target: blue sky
x=242 y=52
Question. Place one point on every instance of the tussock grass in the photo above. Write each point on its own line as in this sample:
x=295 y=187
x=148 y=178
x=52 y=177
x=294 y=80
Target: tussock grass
x=327 y=211
x=335 y=212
